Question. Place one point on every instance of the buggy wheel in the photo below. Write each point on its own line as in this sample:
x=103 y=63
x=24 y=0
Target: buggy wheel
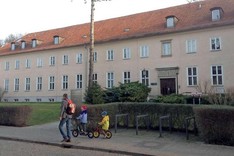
x=96 y=134
x=90 y=134
x=75 y=133
x=108 y=134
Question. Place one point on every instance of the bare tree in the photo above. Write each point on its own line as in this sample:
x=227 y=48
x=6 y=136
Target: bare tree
x=10 y=38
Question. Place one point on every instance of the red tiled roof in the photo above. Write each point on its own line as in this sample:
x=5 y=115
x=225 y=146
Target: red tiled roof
x=191 y=16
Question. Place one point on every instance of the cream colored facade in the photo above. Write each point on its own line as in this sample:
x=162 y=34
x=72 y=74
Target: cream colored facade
x=159 y=67
x=169 y=60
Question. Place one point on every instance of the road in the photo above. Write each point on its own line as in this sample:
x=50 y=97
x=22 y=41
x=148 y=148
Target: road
x=15 y=148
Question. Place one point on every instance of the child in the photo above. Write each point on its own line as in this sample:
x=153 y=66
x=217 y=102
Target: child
x=83 y=118
x=104 y=123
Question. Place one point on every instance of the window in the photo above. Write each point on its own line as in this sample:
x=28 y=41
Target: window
x=95 y=78
x=79 y=81
x=65 y=82
x=6 y=85
x=171 y=21
x=39 y=83
x=191 y=46
x=216 y=13
x=17 y=64
x=27 y=84
x=215 y=44
x=145 y=77
x=126 y=77
x=34 y=43
x=13 y=46
x=144 y=51
x=51 y=83
x=65 y=59
x=110 y=80
x=52 y=61
x=27 y=63
x=79 y=58
x=166 y=48
x=217 y=75
x=39 y=62
x=7 y=66
x=110 y=55
x=192 y=76
x=16 y=84
x=56 y=39
x=126 y=53
x=23 y=44
x=95 y=57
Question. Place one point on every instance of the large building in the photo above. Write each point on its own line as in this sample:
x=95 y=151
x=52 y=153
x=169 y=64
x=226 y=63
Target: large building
x=173 y=50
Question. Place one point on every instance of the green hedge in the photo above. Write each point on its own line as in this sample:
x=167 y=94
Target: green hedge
x=14 y=115
x=216 y=124
x=178 y=112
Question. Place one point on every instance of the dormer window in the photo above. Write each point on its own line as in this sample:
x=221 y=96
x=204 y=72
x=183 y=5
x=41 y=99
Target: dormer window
x=56 y=39
x=216 y=13
x=12 y=46
x=34 y=43
x=23 y=44
x=171 y=21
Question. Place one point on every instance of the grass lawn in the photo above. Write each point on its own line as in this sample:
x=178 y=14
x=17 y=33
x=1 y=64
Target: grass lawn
x=41 y=112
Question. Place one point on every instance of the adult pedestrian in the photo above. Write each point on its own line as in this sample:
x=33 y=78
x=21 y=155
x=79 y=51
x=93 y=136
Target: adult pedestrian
x=65 y=119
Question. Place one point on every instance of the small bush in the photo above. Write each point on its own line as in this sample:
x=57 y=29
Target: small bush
x=14 y=115
x=94 y=94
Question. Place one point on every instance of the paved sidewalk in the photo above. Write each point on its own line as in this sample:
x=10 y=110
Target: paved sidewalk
x=125 y=141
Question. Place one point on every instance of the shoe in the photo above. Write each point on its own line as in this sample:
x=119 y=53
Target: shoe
x=68 y=140
x=64 y=140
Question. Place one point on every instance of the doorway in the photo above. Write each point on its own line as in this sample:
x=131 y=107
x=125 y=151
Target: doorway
x=168 y=86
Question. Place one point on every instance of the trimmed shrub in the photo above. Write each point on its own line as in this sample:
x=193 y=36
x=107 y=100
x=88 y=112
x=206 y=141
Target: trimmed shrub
x=216 y=124
x=14 y=115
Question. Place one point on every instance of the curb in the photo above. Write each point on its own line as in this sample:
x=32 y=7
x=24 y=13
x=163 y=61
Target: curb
x=68 y=145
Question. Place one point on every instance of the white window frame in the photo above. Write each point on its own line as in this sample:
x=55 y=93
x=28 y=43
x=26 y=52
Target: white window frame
x=145 y=77
x=39 y=83
x=23 y=45
x=126 y=53
x=191 y=46
x=52 y=61
x=27 y=84
x=110 y=79
x=217 y=77
x=6 y=85
x=144 y=51
x=95 y=77
x=56 y=40
x=65 y=60
x=126 y=77
x=79 y=81
x=170 y=22
x=79 y=58
x=16 y=84
x=17 y=64
x=27 y=63
x=51 y=83
x=34 y=43
x=39 y=62
x=192 y=76
x=95 y=56
x=7 y=66
x=166 y=48
x=65 y=82
x=216 y=14
x=110 y=55
x=215 y=44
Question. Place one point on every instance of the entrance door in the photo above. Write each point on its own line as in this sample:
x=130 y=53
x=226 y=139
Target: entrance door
x=168 y=86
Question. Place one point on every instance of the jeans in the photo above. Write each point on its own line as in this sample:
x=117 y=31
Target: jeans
x=68 y=123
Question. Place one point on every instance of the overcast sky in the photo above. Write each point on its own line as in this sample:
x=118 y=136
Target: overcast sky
x=26 y=16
